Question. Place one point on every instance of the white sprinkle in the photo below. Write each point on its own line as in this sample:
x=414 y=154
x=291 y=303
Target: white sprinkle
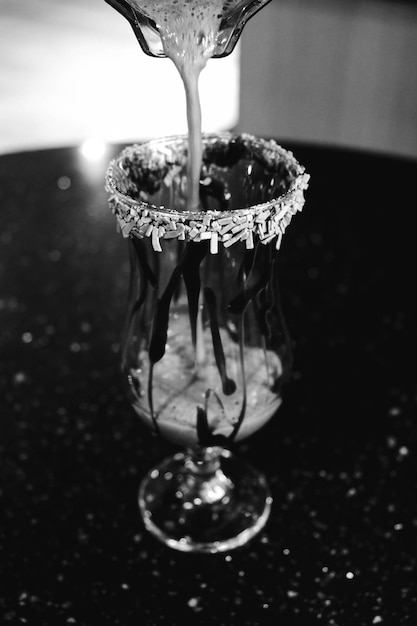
x=267 y=239
x=350 y=575
x=239 y=227
x=280 y=213
x=231 y=241
x=155 y=240
x=214 y=243
x=226 y=228
x=171 y=234
x=261 y=217
x=126 y=228
x=249 y=240
x=224 y=220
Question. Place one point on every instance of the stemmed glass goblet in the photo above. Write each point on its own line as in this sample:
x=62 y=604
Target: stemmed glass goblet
x=205 y=353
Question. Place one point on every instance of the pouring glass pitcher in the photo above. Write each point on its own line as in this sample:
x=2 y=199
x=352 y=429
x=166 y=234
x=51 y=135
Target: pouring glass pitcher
x=234 y=15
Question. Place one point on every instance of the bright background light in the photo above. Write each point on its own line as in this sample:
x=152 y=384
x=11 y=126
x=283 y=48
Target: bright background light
x=93 y=149
x=72 y=70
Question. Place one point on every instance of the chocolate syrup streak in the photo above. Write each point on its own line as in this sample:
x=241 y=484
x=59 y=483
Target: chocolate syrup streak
x=254 y=280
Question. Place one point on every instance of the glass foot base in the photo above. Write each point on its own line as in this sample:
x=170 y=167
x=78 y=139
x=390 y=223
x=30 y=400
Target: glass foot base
x=204 y=500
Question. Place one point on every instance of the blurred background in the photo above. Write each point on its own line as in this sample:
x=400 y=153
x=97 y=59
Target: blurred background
x=338 y=72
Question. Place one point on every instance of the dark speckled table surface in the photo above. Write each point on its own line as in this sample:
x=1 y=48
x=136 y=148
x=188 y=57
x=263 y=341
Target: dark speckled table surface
x=340 y=546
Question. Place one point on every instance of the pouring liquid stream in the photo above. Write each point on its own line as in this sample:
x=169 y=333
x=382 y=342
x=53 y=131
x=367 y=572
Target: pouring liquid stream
x=189 y=34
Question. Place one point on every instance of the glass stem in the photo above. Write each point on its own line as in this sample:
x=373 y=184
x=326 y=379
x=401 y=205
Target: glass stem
x=205 y=482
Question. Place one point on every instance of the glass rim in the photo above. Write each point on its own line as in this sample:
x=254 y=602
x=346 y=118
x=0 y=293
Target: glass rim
x=270 y=218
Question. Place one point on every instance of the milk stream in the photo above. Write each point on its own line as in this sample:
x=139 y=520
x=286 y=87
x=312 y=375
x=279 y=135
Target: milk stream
x=188 y=31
